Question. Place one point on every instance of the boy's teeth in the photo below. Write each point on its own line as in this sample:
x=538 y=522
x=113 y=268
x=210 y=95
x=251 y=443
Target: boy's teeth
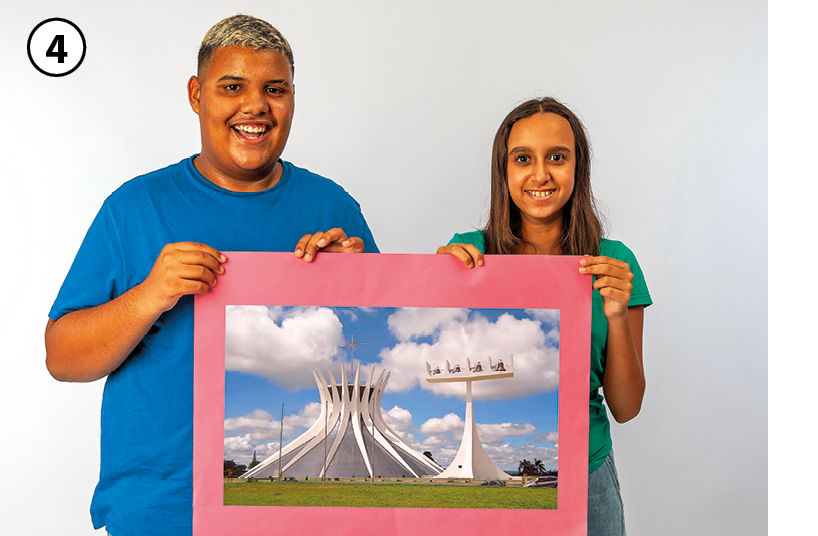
x=254 y=129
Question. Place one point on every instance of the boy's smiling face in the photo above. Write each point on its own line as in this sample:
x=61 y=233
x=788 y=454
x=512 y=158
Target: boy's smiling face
x=245 y=100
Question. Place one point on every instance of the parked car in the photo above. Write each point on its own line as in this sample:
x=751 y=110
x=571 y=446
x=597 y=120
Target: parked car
x=493 y=483
x=549 y=481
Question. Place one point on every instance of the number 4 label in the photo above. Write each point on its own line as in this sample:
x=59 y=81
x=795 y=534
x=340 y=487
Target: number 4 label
x=57 y=49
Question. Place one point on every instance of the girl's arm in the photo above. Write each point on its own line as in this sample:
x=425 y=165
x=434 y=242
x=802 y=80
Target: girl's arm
x=624 y=381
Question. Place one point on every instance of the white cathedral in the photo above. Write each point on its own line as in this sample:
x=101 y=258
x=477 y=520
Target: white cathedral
x=350 y=438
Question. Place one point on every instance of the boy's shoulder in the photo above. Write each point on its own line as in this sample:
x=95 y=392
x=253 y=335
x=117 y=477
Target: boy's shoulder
x=156 y=180
x=303 y=177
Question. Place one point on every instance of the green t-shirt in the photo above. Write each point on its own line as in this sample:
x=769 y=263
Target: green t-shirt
x=599 y=433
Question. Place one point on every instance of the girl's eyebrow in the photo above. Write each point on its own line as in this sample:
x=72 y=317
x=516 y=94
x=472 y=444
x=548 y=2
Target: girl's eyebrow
x=523 y=148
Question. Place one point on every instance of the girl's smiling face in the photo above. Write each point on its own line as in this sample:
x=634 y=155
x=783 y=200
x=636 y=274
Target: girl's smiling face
x=541 y=162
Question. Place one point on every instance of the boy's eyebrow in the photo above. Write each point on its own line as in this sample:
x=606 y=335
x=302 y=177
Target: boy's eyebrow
x=242 y=79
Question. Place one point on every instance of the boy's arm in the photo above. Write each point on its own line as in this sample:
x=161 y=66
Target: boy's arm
x=86 y=345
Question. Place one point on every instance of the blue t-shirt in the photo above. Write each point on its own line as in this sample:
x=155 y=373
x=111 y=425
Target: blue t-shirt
x=145 y=482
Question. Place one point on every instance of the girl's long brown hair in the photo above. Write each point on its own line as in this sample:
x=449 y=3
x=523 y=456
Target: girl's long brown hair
x=581 y=226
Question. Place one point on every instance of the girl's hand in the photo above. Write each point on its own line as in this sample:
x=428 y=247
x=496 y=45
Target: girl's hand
x=467 y=253
x=333 y=241
x=614 y=281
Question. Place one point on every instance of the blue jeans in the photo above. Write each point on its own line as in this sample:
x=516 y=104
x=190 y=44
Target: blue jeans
x=606 y=516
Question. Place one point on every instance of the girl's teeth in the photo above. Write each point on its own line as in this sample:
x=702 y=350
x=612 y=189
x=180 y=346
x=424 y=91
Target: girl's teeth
x=540 y=194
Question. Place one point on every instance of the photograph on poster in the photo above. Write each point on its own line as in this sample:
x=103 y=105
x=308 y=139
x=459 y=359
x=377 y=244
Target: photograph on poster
x=462 y=405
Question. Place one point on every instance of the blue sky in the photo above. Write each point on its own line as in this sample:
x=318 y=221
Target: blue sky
x=270 y=353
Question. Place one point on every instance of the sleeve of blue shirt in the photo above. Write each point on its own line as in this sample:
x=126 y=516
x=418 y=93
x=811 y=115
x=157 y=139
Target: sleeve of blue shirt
x=96 y=275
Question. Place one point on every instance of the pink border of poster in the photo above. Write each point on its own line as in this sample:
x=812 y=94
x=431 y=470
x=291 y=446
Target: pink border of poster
x=386 y=280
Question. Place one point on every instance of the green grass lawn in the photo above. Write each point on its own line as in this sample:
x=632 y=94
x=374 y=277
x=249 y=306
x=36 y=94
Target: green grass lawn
x=386 y=494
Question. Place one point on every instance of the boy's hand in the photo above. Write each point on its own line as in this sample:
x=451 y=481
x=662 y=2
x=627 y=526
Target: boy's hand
x=87 y=344
x=180 y=269
x=333 y=241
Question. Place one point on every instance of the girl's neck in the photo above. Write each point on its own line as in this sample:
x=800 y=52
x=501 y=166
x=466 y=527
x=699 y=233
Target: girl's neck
x=543 y=236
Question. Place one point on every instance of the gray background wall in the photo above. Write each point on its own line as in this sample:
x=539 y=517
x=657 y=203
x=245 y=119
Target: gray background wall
x=399 y=104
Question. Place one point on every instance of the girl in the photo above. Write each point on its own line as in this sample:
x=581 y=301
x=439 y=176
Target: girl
x=541 y=204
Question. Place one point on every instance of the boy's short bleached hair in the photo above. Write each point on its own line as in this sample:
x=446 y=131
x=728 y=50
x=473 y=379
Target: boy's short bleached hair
x=245 y=31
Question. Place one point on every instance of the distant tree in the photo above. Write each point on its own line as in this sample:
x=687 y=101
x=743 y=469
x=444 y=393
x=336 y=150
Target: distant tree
x=526 y=468
x=529 y=468
x=238 y=469
x=428 y=455
x=254 y=462
x=229 y=465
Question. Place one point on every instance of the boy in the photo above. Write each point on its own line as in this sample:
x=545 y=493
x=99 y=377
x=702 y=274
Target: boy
x=125 y=309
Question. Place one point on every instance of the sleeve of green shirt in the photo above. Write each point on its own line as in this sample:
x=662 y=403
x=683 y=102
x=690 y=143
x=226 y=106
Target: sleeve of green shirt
x=640 y=294
x=475 y=238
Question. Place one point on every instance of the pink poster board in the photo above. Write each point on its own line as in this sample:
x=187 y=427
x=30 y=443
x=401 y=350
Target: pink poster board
x=388 y=280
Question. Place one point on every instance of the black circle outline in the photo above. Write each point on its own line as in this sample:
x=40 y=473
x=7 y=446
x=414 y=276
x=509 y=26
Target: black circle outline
x=34 y=63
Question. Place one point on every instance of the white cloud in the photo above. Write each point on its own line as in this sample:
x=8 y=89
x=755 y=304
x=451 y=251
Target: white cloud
x=240 y=448
x=259 y=431
x=456 y=337
x=548 y=316
x=347 y=312
x=306 y=416
x=399 y=420
x=497 y=433
x=409 y=323
x=256 y=420
x=449 y=423
x=284 y=346
x=550 y=319
x=407 y=364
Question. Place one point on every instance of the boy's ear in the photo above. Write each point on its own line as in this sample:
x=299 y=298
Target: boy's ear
x=194 y=93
